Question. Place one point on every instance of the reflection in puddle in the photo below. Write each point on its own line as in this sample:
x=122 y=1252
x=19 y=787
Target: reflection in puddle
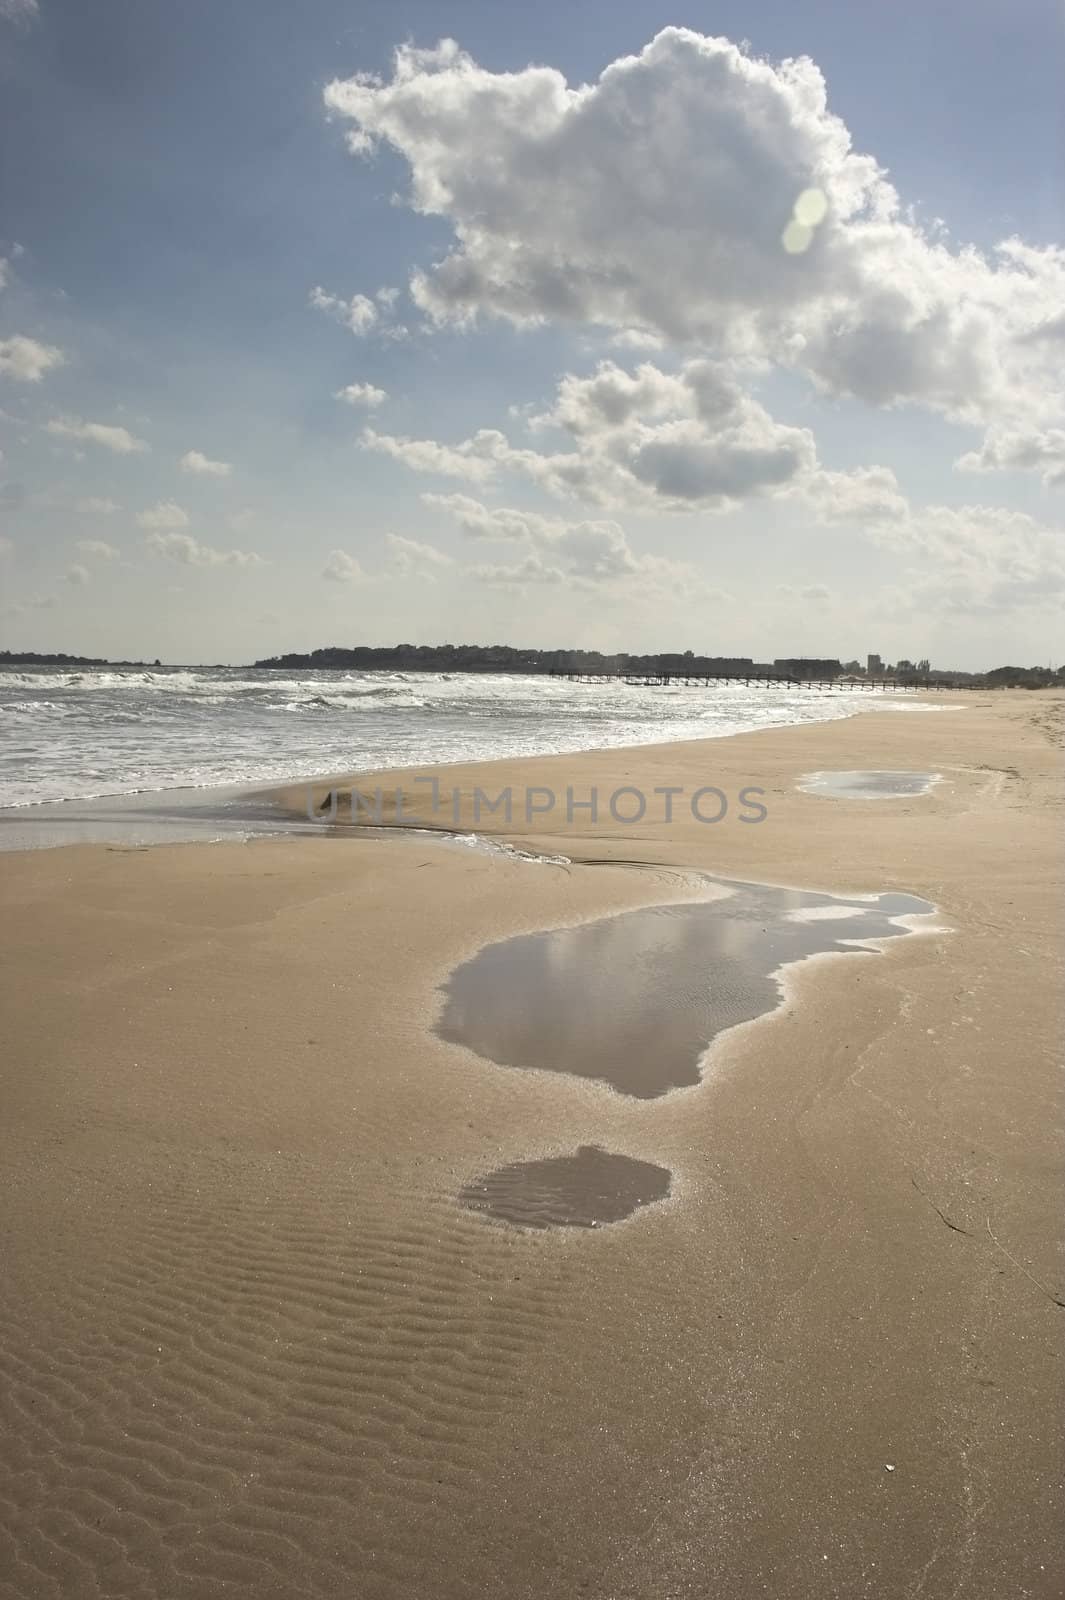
x=581 y=1191
x=635 y=999
x=868 y=785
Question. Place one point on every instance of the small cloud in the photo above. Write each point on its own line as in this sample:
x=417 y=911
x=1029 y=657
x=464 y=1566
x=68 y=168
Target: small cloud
x=164 y=514
x=518 y=575
x=202 y=466
x=93 y=506
x=412 y=559
x=40 y=602
x=23 y=13
x=636 y=339
x=77 y=575
x=241 y=521
x=358 y=315
x=361 y=394
x=98 y=549
x=27 y=360
x=342 y=568
x=474 y=459
x=119 y=440
x=183 y=548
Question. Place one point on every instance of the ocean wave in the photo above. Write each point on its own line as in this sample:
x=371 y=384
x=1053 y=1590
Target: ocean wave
x=79 y=734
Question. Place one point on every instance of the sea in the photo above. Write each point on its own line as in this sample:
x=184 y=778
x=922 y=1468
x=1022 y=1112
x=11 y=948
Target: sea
x=93 y=735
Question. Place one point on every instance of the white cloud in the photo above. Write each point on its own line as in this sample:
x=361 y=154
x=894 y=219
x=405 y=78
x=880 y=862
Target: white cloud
x=20 y=12
x=812 y=593
x=358 y=315
x=202 y=466
x=866 y=495
x=532 y=570
x=118 y=440
x=978 y=559
x=164 y=514
x=480 y=521
x=342 y=568
x=661 y=201
x=409 y=558
x=361 y=394
x=583 y=553
x=95 y=506
x=1025 y=449
x=647 y=439
x=27 y=360
x=473 y=459
x=183 y=548
x=241 y=521
x=77 y=575
x=97 y=548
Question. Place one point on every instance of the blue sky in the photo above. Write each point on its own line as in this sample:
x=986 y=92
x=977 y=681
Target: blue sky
x=174 y=188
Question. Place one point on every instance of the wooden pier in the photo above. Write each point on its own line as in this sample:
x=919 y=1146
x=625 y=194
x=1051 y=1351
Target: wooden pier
x=666 y=680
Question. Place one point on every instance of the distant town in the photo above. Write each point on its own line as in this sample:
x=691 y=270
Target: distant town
x=874 y=671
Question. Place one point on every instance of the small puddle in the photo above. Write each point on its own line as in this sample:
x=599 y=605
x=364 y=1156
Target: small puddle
x=585 y=1190
x=634 y=999
x=868 y=785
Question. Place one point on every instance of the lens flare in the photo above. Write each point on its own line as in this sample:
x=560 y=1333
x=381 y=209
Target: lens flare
x=796 y=238
x=811 y=207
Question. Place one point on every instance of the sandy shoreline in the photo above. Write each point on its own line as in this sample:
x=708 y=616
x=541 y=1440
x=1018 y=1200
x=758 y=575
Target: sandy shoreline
x=253 y=1344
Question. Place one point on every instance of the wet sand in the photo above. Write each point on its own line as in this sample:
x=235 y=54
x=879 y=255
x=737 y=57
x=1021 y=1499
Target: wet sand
x=591 y=1188
x=257 y=1339
x=869 y=785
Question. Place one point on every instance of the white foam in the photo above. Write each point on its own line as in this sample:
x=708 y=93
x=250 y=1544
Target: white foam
x=84 y=733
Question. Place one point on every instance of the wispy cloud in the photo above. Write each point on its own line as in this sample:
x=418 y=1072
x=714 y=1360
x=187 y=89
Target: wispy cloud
x=97 y=506
x=27 y=360
x=184 y=549
x=164 y=514
x=361 y=394
x=118 y=440
x=358 y=315
x=342 y=568
x=201 y=466
x=21 y=12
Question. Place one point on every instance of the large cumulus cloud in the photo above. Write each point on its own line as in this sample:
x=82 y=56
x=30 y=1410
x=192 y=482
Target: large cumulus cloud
x=659 y=198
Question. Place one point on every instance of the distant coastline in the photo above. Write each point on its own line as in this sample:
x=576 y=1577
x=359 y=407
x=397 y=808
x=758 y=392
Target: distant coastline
x=510 y=659
x=33 y=658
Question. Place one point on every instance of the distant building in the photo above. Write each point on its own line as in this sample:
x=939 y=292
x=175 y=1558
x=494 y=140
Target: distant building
x=873 y=666
x=807 y=667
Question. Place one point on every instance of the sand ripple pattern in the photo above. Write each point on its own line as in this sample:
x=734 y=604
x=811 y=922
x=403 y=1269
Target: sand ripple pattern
x=252 y=1403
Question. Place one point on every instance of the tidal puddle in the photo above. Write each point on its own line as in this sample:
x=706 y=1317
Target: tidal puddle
x=868 y=785
x=635 y=999
x=586 y=1190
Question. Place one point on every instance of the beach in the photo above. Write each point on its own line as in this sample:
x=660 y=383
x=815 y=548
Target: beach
x=255 y=1343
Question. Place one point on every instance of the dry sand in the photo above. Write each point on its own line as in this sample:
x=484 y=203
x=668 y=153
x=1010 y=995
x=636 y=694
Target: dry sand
x=253 y=1345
